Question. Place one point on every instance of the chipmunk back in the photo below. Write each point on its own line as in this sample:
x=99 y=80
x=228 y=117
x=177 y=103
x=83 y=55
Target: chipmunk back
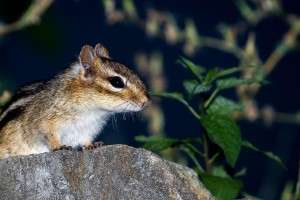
x=73 y=107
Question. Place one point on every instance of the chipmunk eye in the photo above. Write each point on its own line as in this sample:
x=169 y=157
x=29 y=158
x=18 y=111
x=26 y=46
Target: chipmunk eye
x=116 y=82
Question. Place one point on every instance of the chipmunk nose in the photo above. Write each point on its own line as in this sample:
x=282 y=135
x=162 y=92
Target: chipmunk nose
x=145 y=104
x=146 y=101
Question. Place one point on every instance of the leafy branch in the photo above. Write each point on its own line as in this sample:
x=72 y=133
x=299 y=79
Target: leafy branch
x=214 y=115
x=30 y=17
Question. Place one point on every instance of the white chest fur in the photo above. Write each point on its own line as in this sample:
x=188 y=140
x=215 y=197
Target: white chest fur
x=81 y=129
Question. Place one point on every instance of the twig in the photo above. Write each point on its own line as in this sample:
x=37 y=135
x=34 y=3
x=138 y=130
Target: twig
x=30 y=17
x=206 y=153
x=222 y=45
x=211 y=98
x=287 y=44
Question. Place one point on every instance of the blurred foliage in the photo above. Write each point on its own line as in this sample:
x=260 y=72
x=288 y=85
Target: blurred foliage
x=31 y=16
x=163 y=25
x=4 y=98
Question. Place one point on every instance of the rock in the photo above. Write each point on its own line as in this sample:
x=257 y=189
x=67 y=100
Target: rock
x=109 y=172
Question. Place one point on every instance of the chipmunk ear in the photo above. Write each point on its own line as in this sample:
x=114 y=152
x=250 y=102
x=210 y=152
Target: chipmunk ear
x=87 y=57
x=101 y=51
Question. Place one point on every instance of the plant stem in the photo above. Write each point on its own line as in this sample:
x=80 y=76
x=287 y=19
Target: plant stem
x=195 y=150
x=194 y=159
x=211 y=98
x=212 y=160
x=206 y=158
x=191 y=109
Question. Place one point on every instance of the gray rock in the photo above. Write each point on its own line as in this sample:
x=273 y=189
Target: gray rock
x=109 y=172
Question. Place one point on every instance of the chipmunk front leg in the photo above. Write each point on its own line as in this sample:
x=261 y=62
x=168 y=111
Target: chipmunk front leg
x=55 y=144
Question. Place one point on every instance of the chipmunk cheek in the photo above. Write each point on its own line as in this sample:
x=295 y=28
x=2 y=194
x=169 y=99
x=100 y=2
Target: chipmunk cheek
x=128 y=95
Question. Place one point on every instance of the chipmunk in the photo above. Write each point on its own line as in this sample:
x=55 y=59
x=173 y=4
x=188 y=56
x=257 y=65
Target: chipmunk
x=71 y=108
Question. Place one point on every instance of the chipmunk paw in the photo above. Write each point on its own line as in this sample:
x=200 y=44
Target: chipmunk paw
x=92 y=146
x=64 y=147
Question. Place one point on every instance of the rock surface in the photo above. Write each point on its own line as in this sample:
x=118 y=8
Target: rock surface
x=109 y=172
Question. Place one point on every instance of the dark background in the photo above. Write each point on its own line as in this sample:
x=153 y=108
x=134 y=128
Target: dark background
x=39 y=52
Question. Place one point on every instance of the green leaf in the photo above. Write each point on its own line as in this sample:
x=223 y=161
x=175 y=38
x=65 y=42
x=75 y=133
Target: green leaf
x=170 y=95
x=177 y=96
x=220 y=171
x=233 y=82
x=240 y=173
x=192 y=140
x=287 y=191
x=192 y=154
x=224 y=132
x=160 y=143
x=223 y=106
x=298 y=189
x=265 y=153
x=156 y=143
x=222 y=188
x=211 y=76
x=232 y=70
x=250 y=196
x=196 y=69
x=193 y=87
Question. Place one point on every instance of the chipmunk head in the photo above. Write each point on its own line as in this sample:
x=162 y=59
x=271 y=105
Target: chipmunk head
x=111 y=85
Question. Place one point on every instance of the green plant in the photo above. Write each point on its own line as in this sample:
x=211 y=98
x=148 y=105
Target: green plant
x=214 y=113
